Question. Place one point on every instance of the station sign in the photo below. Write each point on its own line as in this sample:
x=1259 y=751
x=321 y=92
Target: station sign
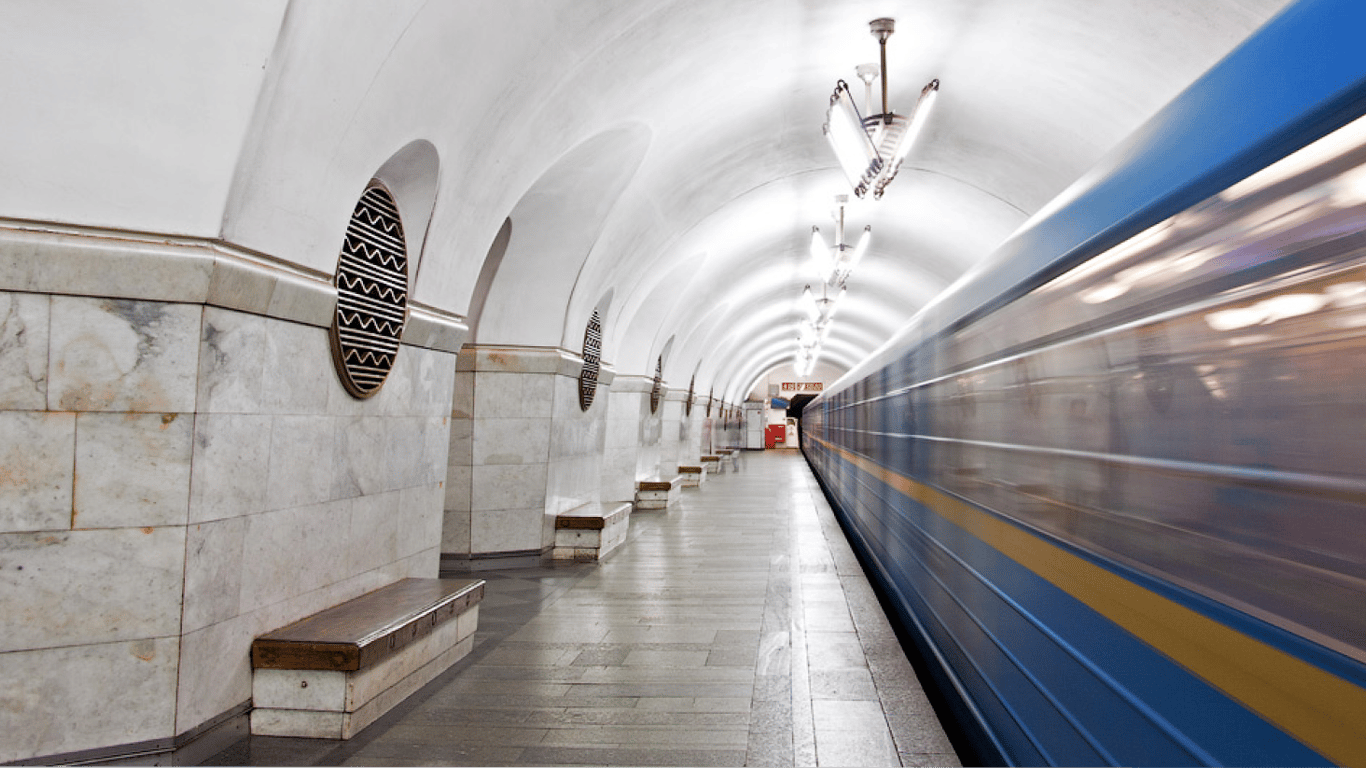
x=802 y=386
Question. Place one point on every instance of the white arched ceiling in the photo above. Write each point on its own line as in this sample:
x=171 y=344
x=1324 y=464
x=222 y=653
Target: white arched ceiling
x=258 y=124
x=554 y=227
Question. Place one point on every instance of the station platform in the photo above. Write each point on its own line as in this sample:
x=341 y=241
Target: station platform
x=735 y=628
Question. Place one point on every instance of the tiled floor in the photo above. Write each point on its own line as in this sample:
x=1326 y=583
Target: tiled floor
x=735 y=629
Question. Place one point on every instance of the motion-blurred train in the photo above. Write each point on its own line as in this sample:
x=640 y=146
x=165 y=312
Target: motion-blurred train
x=1113 y=482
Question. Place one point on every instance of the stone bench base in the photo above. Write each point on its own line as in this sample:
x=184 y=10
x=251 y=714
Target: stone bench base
x=657 y=494
x=712 y=464
x=333 y=673
x=591 y=531
x=692 y=476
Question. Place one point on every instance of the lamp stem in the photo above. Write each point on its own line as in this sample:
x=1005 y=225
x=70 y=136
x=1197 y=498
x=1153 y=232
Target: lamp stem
x=882 y=45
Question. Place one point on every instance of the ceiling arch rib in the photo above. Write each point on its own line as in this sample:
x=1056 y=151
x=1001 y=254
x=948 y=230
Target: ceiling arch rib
x=554 y=227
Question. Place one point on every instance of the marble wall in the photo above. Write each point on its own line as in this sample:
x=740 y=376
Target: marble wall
x=179 y=476
x=628 y=398
x=521 y=450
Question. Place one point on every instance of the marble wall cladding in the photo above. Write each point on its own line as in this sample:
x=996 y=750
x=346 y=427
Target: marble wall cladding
x=36 y=470
x=215 y=670
x=176 y=479
x=621 y=443
x=577 y=445
x=670 y=447
x=455 y=526
x=499 y=394
x=132 y=469
x=231 y=458
x=85 y=587
x=232 y=364
x=213 y=572
x=58 y=700
x=508 y=486
x=23 y=351
x=274 y=569
x=511 y=440
x=123 y=355
x=507 y=530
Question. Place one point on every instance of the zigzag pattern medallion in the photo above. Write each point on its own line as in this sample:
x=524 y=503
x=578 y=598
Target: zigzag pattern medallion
x=372 y=294
x=592 y=361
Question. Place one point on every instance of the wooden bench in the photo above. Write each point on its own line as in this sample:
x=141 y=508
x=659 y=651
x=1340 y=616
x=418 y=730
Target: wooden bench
x=657 y=494
x=692 y=476
x=731 y=454
x=590 y=531
x=331 y=674
x=712 y=463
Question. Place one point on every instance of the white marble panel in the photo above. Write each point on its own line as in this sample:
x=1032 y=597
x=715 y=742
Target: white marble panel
x=299 y=376
x=23 y=351
x=508 y=486
x=231 y=458
x=462 y=396
x=291 y=552
x=298 y=723
x=418 y=450
x=215 y=671
x=455 y=532
x=461 y=450
x=132 y=469
x=459 y=489
x=121 y=355
x=618 y=474
x=213 y=572
x=433 y=382
x=59 y=700
x=36 y=470
x=52 y=262
x=111 y=585
x=506 y=530
x=514 y=395
x=317 y=689
x=436 y=449
x=420 y=523
x=361 y=456
x=511 y=441
x=231 y=362
x=374 y=525
x=301 y=461
x=241 y=284
x=303 y=299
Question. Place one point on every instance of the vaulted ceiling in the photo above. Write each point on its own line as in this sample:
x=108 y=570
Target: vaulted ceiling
x=661 y=160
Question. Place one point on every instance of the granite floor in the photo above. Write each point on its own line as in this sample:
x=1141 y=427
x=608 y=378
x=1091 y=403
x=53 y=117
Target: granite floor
x=736 y=628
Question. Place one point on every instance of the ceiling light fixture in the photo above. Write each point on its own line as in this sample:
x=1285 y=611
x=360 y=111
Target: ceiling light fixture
x=834 y=265
x=870 y=150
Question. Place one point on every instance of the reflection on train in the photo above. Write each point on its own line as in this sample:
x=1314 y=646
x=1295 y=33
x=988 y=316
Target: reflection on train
x=1124 y=505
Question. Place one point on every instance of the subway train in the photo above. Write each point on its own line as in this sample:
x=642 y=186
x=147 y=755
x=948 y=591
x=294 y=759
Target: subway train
x=1112 y=483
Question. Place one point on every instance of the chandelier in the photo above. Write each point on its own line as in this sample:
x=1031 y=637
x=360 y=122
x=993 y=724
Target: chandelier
x=815 y=326
x=833 y=265
x=870 y=149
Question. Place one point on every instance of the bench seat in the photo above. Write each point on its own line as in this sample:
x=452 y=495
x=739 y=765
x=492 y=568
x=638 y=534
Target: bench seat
x=693 y=476
x=333 y=673
x=657 y=494
x=713 y=464
x=590 y=531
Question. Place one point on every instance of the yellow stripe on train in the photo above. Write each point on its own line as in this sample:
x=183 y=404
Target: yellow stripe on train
x=1320 y=709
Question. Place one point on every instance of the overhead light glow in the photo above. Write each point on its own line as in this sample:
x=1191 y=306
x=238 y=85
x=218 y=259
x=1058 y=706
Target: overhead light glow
x=871 y=149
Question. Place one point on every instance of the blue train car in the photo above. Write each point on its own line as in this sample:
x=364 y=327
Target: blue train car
x=1114 y=481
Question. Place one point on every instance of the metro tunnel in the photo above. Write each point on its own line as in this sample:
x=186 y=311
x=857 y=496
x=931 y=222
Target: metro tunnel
x=683 y=382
